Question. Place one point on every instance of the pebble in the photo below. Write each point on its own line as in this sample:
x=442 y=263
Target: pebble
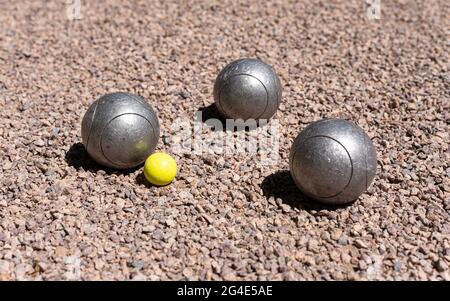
x=343 y=240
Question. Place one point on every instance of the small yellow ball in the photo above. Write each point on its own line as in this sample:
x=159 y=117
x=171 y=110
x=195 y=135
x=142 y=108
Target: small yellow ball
x=160 y=169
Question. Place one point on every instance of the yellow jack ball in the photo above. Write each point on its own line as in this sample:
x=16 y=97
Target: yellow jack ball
x=160 y=169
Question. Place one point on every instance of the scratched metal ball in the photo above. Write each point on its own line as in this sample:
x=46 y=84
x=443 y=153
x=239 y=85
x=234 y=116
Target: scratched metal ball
x=247 y=89
x=333 y=161
x=120 y=130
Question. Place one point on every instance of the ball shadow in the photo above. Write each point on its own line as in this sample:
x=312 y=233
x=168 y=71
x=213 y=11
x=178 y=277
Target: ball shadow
x=141 y=180
x=281 y=185
x=211 y=117
x=211 y=112
x=78 y=157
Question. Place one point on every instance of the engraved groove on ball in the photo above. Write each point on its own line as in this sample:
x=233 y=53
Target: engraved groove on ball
x=333 y=161
x=247 y=89
x=131 y=153
x=243 y=94
x=90 y=124
x=330 y=179
x=122 y=133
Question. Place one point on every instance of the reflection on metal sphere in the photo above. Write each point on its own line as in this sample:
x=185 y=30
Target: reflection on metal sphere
x=333 y=161
x=247 y=89
x=120 y=130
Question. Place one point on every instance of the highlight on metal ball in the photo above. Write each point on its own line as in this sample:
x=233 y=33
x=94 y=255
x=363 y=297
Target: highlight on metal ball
x=333 y=161
x=120 y=130
x=247 y=89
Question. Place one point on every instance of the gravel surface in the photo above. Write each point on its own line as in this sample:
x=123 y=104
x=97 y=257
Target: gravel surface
x=225 y=217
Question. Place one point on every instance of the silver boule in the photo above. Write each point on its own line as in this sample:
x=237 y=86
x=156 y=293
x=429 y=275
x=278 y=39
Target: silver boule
x=247 y=89
x=333 y=161
x=120 y=130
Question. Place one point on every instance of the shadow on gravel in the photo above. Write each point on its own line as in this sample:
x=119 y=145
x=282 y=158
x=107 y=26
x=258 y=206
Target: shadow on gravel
x=211 y=112
x=141 y=180
x=281 y=185
x=211 y=116
x=78 y=158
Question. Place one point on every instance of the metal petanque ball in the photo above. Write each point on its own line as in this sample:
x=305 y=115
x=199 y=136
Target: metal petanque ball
x=333 y=161
x=120 y=130
x=247 y=89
